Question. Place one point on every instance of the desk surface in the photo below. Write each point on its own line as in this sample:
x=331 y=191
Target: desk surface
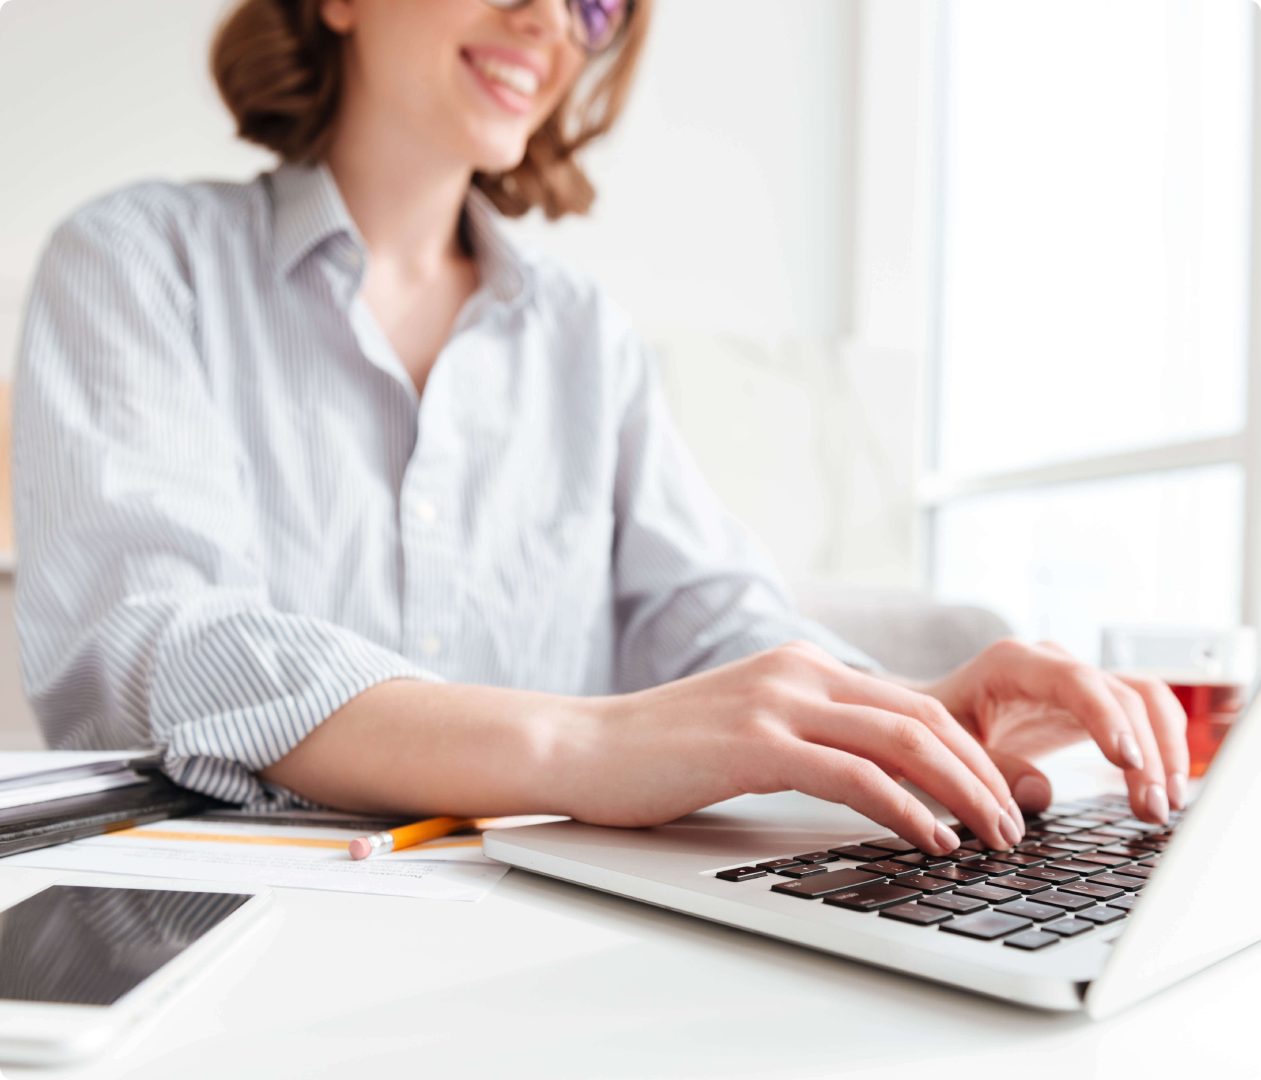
x=547 y=979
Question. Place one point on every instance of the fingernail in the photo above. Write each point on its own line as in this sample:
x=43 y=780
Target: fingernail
x=945 y=838
x=1157 y=802
x=1008 y=828
x=1178 y=790
x=1032 y=792
x=1013 y=812
x=1127 y=751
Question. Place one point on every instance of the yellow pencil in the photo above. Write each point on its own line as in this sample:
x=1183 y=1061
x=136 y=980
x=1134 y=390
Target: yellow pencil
x=407 y=835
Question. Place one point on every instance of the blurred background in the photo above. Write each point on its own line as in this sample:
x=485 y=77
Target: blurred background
x=953 y=298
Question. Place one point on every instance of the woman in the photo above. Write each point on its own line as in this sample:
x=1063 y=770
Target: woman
x=342 y=499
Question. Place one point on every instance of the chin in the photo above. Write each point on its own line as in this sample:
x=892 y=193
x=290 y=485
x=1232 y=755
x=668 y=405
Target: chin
x=500 y=161
x=492 y=151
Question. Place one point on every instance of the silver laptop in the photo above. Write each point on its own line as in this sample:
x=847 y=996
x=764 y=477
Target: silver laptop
x=1063 y=926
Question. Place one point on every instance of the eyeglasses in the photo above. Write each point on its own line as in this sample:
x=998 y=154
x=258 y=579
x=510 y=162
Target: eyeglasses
x=594 y=24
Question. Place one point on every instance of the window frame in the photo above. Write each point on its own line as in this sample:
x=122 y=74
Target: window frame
x=937 y=488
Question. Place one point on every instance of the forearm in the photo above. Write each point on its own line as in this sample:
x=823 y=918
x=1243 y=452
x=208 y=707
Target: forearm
x=416 y=749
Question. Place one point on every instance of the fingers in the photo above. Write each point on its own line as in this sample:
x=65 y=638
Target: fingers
x=1149 y=798
x=1168 y=722
x=856 y=688
x=1113 y=713
x=1029 y=785
x=846 y=778
x=894 y=741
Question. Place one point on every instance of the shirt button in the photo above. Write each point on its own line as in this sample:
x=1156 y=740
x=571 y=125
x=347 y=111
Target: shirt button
x=426 y=511
x=431 y=646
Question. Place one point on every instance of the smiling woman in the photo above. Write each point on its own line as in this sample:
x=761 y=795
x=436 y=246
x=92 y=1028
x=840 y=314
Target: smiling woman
x=340 y=497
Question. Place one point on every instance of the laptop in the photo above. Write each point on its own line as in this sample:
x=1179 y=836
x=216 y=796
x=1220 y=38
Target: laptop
x=1093 y=910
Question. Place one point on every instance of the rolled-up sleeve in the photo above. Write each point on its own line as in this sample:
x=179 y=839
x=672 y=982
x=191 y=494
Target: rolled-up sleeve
x=143 y=617
x=694 y=587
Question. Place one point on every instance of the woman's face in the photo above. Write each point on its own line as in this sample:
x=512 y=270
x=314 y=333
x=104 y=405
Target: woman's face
x=466 y=79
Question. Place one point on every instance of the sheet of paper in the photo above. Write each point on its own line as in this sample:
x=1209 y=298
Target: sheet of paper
x=452 y=868
x=21 y=763
x=64 y=789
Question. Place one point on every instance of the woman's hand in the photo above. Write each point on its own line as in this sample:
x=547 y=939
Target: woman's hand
x=1022 y=701
x=790 y=718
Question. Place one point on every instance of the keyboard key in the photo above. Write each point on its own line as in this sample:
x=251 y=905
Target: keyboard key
x=916 y=913
x=871 y=897
x=1102 y=860
x=1067 y=901
x=817 y=856
x=1089 y=888
x=1031 y=909
x=960 y=875
x=1039 y=851
x=986 y=925
x=777 y=864
x=1023 y=884
x=1119 y=832
x=891 y=843
x=1030 y=940
x=800 y=870
x=920 y=861
x=860 y=852
x=1070 y=846
x=1126 y=851
x=1046 y=873
x=991 y=894
x=924 y=883
x=886 y=868
x=1080 y=822
x=824 y=883
x=1096 y=838
x=1068 y=927
x=1119 y=880
x=952 y=901
x=1018 y=858
x=994 y=869
x=1076 y=866
x=1101 y=915
x=1125 y=903
x=740 y=873
x=1137 y=870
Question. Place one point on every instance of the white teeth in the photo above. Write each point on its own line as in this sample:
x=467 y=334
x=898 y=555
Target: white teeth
x=520 y=79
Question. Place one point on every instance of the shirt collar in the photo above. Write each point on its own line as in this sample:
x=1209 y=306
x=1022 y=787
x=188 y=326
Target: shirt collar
x=308 y=210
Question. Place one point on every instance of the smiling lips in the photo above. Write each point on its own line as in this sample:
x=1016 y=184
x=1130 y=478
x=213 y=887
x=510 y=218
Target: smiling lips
x=514 y=85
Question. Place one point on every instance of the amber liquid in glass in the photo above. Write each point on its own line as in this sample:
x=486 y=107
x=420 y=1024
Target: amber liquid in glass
x=1211 y=709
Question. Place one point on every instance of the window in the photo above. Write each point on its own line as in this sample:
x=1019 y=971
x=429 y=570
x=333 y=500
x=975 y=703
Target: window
x=1090 y=459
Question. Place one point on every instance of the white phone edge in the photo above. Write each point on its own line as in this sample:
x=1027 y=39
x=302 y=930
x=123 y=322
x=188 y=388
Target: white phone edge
x=39 y=1033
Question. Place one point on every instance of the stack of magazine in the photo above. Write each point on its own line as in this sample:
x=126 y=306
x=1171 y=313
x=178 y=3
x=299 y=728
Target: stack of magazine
x=51 y=796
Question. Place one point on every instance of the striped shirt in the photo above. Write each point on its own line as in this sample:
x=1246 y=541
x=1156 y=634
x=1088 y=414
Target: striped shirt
x=235 y=513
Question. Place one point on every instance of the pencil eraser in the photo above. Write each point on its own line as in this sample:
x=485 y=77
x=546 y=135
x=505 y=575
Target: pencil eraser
x=360 y=848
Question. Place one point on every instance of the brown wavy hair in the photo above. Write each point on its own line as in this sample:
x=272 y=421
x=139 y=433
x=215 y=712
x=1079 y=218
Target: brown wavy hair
x=278 y=68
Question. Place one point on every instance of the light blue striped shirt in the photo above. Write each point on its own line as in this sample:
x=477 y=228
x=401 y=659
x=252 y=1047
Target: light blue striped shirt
x=234 y=512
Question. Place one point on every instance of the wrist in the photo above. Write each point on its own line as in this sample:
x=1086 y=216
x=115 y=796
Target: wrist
x=570 y=752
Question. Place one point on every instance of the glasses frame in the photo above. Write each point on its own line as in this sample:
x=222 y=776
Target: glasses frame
x=571 y=6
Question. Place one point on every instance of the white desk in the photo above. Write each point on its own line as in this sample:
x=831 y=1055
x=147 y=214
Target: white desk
x=546 y=979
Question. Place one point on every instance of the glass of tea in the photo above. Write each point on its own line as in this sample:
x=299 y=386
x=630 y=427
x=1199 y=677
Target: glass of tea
x=1210 y=671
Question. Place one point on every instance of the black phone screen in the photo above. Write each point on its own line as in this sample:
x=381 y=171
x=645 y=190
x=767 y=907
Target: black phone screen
x=90 y=945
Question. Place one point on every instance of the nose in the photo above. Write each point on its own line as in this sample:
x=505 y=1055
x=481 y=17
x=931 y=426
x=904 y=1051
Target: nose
x=548 y=19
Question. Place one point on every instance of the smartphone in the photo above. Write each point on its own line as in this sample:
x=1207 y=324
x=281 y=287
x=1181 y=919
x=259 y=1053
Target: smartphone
x=83 y=965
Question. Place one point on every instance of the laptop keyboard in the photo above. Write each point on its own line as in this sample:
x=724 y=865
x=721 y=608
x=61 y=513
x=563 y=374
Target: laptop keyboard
x=1082 y=865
